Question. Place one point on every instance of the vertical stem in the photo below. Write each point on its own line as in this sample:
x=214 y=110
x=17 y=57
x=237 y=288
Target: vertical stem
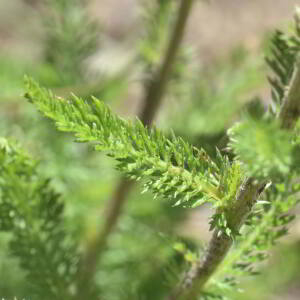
x=95 y=247
x=195 y=278
x=200 y=272
x=153 y=98
x=290 y=110
x=158 y=85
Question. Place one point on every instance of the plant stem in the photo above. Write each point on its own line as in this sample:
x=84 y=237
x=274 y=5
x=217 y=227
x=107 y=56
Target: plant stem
x=159 y=82
x=88 y=263
x=200 y=272
x=290 y=110
x=194 y=279
x=153 y=98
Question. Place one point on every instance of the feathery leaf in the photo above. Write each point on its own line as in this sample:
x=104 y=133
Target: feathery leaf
x=172 y=168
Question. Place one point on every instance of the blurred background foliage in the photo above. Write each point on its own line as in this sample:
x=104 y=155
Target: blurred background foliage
x=110 y=49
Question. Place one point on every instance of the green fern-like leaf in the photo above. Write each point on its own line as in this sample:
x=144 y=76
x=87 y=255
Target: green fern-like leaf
x=71 y=37
x=173 y=169
x=32 y=212
x=284 y=50
x=262 y=146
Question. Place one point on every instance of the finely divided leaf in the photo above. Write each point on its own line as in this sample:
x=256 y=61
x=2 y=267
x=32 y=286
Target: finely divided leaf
x=172 y=168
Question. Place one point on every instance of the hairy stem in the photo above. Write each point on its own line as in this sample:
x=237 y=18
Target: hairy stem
x=290 y=110
x=200 y=272
x=194 y=279
x=153 y=98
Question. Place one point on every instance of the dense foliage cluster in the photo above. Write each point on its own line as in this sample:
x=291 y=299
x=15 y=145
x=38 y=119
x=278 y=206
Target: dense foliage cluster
x=250 y=179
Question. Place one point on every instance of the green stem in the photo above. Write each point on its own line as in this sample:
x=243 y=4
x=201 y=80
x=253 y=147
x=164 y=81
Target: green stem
x=198 y=275
x=247 y=244
x=194 y=279
x=158 y=86
x=290 y=110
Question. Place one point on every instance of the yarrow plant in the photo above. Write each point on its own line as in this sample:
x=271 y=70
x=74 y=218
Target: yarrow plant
x=252 y=186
